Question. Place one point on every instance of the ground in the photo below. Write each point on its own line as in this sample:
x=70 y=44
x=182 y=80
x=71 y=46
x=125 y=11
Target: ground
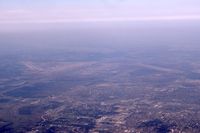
x=101 y=92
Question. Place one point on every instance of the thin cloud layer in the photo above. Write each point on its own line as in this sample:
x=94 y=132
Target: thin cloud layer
x=96 y=10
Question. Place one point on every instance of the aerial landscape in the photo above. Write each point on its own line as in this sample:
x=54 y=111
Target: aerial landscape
x=100 y=76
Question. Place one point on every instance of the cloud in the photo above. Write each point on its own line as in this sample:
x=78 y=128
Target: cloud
x=117 y=19
x=97 y=10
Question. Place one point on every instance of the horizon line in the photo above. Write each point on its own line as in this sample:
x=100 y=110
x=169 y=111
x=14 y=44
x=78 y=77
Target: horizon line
x=114 y=19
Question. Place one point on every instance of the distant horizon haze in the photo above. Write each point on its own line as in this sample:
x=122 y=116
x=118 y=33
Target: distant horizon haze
x=22 y=11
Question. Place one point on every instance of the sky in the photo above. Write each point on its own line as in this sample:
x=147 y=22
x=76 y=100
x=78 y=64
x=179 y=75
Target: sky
x=19 y=11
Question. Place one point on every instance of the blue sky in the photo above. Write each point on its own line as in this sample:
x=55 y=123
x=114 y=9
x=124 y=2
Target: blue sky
x=78 y=10
x=48 y=3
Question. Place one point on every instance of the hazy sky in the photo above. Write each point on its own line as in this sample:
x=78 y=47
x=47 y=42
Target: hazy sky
x=12 y=11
